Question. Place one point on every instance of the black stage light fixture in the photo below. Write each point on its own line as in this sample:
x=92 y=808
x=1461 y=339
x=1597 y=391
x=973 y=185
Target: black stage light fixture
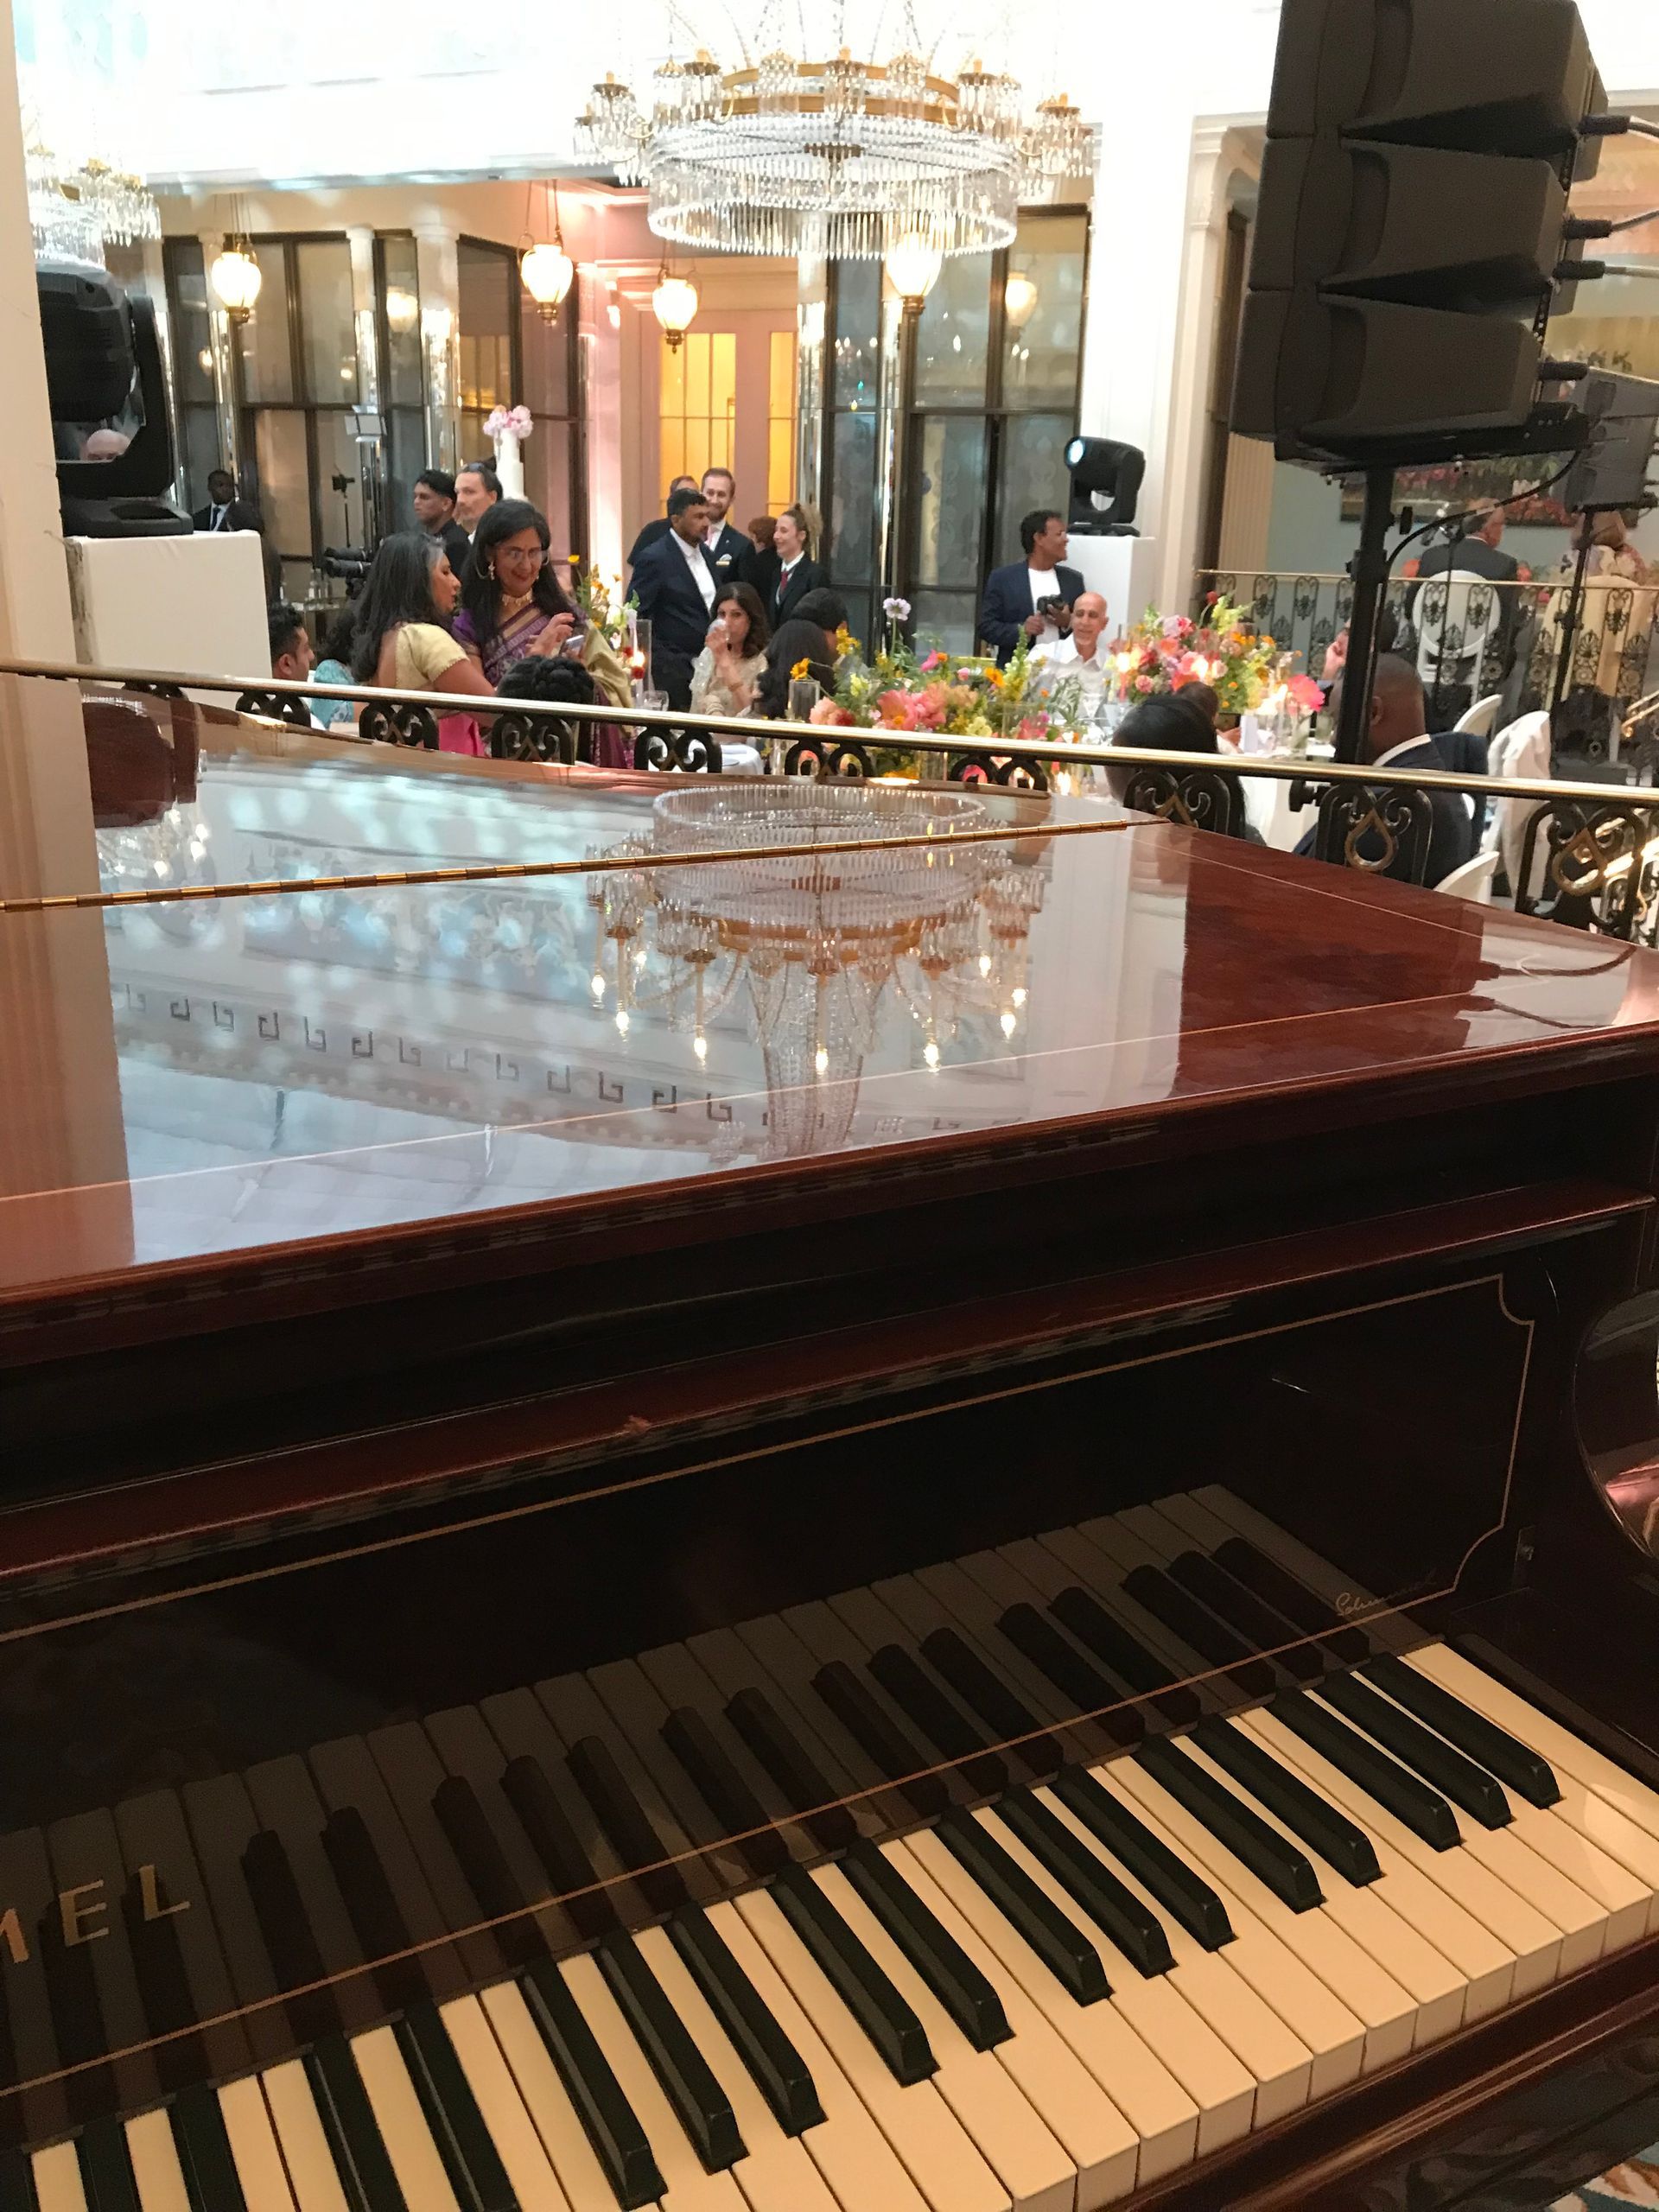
x=1106 y=478
x=104 y=368
x=1412 y=218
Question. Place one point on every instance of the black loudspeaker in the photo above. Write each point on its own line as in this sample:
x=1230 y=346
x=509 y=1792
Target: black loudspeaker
x=1106 y=479
x=1411 y=223
x=1613 y=470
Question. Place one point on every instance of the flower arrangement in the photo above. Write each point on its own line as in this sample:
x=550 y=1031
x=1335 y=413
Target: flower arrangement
x=508 y=421
x=1244 y=668
x=599 y=600
x=945 y=695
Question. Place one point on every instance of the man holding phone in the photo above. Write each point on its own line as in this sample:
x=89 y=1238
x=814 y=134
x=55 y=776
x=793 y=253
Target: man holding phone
x=1033 y=598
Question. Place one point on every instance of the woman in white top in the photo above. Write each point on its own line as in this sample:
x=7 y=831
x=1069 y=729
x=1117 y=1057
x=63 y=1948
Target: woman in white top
x=732 y=663
x=404 y=640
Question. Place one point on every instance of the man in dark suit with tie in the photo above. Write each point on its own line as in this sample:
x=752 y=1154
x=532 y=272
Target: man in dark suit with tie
x=674 y=582
x=1396 y=738
x=730 y=550
x=1009 y=609
x=224 y=510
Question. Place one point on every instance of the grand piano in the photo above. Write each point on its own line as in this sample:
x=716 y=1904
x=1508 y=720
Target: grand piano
x=961 y=1528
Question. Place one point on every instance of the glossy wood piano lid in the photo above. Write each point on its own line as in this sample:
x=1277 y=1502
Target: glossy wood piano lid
x=189 y=1088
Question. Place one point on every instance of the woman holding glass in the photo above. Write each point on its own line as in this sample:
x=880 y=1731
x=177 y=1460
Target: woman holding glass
x=731 y=665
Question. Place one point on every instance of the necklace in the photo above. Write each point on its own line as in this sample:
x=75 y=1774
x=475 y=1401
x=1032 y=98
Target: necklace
x=515 y=603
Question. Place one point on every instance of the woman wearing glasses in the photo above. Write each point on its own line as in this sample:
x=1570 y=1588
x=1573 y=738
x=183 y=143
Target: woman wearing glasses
x=513 y=607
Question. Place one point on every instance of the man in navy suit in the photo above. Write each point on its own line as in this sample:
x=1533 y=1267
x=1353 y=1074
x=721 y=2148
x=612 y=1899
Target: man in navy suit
x=1397 y=739
x=1031 y=598
x=730 y=550
x=674 y=582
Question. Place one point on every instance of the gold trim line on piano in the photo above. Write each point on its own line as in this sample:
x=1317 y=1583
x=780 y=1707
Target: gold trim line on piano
x=602 y=864
x=1062 y=753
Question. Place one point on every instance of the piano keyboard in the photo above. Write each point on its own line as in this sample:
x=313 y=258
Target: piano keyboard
x=840 y=1911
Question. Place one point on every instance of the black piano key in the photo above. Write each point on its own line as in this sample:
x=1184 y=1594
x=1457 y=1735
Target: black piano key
x=1215 y=1643
x=221 y=1821
x=1424 y=1811
x=29 y=1888
x=775 y=1743
x=784 y=1665
x=347 y=2120
x=1259 y=1624
x=1035 y=1638
x=688 y=2081
x=723 y=1790
x=1082 y=1613
x=96 y=2002
x=465 y=2144
x=1247 y=1564
x=943 y=1725
x=205 y=2156
x=11 y=2107
x=779 y=2071
x=623 y=1819
x=1288 y=1798
x=391 y=1848
x=1052 y=1934
x=1514 y=1762
x=178 y=1953
x=1287 y=1872
x=106 y=2174
x=483 y=1863
x=532 y=1796
x=17 y=2181
x=1430 y=1757
x=619 y=1706
x=868 y=1724
x=1135 y=1928
x=71 y=1991
x=857 y=1978
x=611 y=2124
x=938 y=1957
x=373 y=1908
x=289 y=1935
x=1154 y=1866
x=1011 y=1722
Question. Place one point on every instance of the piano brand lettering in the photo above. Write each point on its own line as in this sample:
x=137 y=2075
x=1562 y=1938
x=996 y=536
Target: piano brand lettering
x=80 y=1914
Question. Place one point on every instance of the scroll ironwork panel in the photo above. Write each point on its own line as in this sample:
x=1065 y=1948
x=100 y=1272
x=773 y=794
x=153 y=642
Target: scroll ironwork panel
x=986 y=768
x=1376 y=829
x=276 y=707
x=534 y=737
x=825 y=757
x=1199 y=798
x=691 y=751
x=396 y=723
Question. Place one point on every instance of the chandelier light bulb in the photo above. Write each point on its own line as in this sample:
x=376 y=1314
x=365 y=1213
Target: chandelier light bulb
x=621 y=1021
x=1018 y=299
x=598 y=988
x=236 y=277
x=548 y=272
x=403 y=309
x=821 y=1061
x=930 y=1054
x=674 y=303
x=700 y=1046
x=1010 y=1024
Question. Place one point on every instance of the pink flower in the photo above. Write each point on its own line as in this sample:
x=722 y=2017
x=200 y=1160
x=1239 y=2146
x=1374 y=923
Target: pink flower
x=1144 y=683
x=1306 y=693
x=933 y=661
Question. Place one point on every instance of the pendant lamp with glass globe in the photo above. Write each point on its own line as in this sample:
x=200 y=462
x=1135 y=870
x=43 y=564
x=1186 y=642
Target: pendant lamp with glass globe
x=913 y=267
x=674 y=303
x=547 y=271
x=236 y=277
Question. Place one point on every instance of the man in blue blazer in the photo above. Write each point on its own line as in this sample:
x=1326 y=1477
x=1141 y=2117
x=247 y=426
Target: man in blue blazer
x=1031 y=598
x=1398 y=738
x=674 y=582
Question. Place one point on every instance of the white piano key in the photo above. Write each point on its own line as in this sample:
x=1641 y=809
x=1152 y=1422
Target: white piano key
x=1163 y=2115
x=155 y=2167
x=300 y=2135
x=1369 y=1912
x=1222 y=2087
x=1016 y=2144
x=777 y=2175
x=1585 y=1878
x=501 y=2108
x=547 y=2100
x=940 y=2158
x=686 y=2186
x=259 y=2165
x=1281 y=2061
x=1504 y=1945
x=848 y=2149
x=1604 y=1827
x=1581 y=1921
x=1088 y=2124
x=57 y=2179
x=398 y=2114
x=1567 y=1754
x=1363 y=1989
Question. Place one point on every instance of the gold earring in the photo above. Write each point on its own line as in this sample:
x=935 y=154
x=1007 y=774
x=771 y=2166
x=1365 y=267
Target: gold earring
x=491 y=572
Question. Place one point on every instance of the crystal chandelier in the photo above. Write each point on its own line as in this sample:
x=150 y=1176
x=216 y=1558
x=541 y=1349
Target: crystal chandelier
x=851 y=156
x=78 y=203
x=818 y=941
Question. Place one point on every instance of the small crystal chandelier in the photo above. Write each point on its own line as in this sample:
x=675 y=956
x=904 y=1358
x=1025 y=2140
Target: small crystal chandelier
x=75 y=210
x=842 y=156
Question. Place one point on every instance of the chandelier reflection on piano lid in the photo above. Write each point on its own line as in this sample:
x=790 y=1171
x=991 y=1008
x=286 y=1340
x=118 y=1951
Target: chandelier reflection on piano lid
x=818 y=942
x=872 y=143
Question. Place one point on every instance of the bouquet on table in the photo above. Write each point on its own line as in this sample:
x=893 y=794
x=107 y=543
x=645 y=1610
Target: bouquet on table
x=600 y=601
x=899 y=689
x=1245 y=669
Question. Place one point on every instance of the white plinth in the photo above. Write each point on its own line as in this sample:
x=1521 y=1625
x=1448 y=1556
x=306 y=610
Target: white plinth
x=1125 y=569
x=194 y=604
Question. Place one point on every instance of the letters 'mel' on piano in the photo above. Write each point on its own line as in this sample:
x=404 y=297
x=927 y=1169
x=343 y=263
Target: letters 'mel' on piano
x=964 y=1536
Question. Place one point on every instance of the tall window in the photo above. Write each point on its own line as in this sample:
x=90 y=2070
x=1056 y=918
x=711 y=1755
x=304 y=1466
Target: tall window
x=993 y=402
x=192 y=365
x=556 y=458
x=489 y=333
x=783 y=421
x=850 y=500
x=398 y=290
x=699 y=403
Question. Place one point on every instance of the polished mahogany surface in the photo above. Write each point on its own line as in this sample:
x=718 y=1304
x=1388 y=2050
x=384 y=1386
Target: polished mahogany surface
x=285 y=1068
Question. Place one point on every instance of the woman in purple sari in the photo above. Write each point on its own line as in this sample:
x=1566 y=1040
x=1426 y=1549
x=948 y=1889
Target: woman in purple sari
x=514 y=608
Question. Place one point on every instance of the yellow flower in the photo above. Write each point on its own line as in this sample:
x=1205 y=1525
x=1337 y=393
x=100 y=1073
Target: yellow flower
x=801 y=668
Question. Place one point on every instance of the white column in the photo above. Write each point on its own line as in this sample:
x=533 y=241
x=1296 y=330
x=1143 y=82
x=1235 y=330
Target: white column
x=600 y=397
x=365 y=327
x=811 y=372
x=34 y=618
x=438 y=261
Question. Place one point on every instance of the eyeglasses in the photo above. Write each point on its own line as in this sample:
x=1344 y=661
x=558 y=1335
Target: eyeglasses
x=522 y=556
